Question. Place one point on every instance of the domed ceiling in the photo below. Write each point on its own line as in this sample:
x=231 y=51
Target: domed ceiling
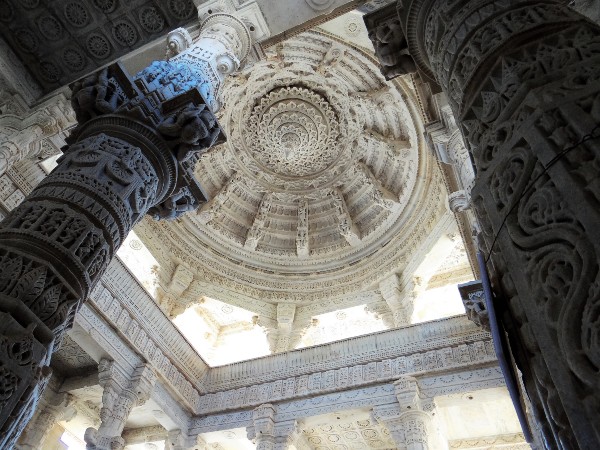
x=323 y=187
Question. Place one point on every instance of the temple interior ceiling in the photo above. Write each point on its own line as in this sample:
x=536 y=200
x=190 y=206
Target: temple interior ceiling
x=60 y=41
x=328 y=218
x=325 y=176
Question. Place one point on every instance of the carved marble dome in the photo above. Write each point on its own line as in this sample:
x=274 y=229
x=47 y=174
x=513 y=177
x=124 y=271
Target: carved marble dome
x=321 y=174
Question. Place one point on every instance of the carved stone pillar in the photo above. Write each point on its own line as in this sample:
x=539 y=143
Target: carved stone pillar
x=122 y=391
x=410 y=422
x=262 y=431
x=523 y=79
x=400 y=300
x=52 y=408
x=133 y=152
x=268 y=434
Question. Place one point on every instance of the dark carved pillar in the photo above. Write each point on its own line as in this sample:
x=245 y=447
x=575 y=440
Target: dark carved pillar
x=523 y=78
x=133 y=152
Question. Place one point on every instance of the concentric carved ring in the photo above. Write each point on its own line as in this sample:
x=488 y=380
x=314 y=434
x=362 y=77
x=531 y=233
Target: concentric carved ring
x=295 y=130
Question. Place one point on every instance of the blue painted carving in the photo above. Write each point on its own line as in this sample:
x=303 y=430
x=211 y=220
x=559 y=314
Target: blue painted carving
x=171 y=79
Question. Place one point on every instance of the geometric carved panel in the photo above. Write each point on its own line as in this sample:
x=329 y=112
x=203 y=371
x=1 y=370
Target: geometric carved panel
x=59 y=41
x=72 y=360
x=360 y=434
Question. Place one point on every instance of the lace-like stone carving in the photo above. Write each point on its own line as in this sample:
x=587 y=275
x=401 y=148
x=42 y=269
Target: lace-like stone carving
x=50 y=28
x=182 y=9
x=106 y=6
x=74 y=59
x=50 y=71
x=125 y=34
x=295 y=130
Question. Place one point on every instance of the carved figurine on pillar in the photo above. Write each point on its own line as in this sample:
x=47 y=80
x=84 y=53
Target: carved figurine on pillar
x=133 y=152
x=523 y=80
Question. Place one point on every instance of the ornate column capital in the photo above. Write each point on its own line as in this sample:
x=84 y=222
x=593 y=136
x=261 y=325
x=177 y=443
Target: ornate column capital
x=391 y=46
x=222 y=46
x=269 y=434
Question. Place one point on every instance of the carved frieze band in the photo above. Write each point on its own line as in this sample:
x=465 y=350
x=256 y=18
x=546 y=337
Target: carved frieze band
x=457 y=381
x=441 y=359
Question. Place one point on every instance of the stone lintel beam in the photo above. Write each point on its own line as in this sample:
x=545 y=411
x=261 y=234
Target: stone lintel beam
x=135 y=436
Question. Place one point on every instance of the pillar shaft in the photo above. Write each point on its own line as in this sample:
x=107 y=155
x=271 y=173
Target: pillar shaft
x=523 y=79
x=133 y=152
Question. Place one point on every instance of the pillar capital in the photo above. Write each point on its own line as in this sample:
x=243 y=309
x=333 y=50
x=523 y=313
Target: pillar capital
x=269 y=434
x=219 y=50
x=123 y=390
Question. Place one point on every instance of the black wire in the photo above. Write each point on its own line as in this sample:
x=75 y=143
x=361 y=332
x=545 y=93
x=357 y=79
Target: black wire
x=591 y=135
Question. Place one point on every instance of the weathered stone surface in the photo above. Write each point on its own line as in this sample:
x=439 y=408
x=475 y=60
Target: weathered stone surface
x=522 y=79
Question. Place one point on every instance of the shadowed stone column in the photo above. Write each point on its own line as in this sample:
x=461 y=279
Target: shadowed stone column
x=53 y=407
x=133 y=152
x=523 y=80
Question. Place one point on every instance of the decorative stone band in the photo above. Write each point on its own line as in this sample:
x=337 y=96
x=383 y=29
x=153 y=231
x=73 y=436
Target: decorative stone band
x=475 y=354
x=388 y=344
x=182 y=374
x=456 y=381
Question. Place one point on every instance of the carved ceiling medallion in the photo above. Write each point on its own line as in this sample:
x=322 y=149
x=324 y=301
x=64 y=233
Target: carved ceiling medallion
x=295 y=129
x=289 y=137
